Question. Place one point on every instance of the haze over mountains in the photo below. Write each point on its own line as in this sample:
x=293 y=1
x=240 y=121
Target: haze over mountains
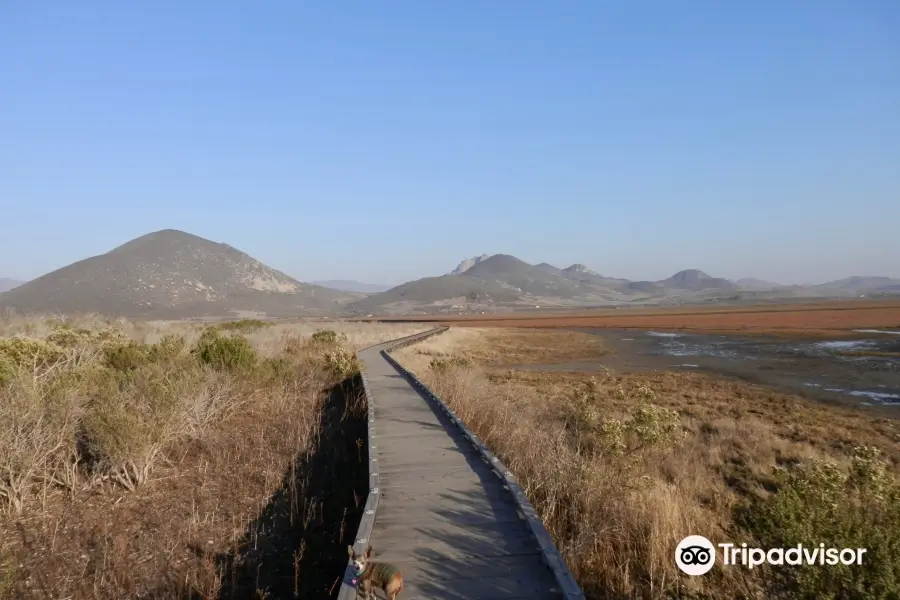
x=173 y=274
x=8 y=284
x=349 y=285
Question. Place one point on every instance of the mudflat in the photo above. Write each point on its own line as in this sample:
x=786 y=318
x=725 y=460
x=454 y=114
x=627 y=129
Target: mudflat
x=821 y=319
x=864 y=371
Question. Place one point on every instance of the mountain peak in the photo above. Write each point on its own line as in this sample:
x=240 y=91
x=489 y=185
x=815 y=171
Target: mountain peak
x=690 y=275
x=696 y=280
x=579 y=268
x=468 y=264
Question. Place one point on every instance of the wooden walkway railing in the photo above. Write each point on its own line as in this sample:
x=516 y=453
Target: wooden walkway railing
x=441 y=507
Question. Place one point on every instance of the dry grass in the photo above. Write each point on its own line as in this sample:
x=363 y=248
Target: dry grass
x=493 y=347
x=267 y=336
x=622 y=467
x=171 y=459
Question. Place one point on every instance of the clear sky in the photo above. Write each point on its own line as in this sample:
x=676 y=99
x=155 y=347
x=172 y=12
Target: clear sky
x=386 y=141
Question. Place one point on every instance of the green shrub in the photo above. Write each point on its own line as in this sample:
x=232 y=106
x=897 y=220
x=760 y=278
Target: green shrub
x=26 y=353
x=168 y=349
x=821 y=502
x=442 y=364
x=279 y=368
x=583 y=407
x=124 y=431
x=232 y=353
x=648 y=427
x=243 y=325
x=328 y=337
x=341 y=364
x=126 y=357
x=131 y=355
x=67 y=337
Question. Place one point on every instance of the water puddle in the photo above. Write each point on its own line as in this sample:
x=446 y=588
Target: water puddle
x=880 y=397
x=877 y=331
x=688 y=366
x=845 y=344
x=677 y=344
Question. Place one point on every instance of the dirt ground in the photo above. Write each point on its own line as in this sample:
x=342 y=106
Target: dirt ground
x=824 y=319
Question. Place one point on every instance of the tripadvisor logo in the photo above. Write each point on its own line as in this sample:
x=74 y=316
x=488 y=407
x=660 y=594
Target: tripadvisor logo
x=696 y=555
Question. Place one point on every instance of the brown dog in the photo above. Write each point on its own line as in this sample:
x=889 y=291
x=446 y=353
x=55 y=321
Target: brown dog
x=369 y=575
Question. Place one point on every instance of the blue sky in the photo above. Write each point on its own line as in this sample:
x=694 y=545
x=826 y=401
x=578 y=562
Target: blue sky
x=385 y=141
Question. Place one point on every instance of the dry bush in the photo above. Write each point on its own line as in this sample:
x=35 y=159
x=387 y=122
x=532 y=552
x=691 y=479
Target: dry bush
x=621 y=468
x=132 y=455
x=268 y=337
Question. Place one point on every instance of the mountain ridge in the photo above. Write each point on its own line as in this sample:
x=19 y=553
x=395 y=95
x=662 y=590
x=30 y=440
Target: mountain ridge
x=505 y=281
x=174 y=274
x=351 y=285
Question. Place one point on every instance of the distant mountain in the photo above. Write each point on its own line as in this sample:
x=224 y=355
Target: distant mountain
x=348 y=285
x=582 y=274
x=502 y=281
x=695 y=280
x=860 y=285
x=468 y=264
x=752 y=283
x=8 y=284
x=645 y=287
x=524 y=278
x=548 y=267
x=445 y=290
x=172 y=274
x=498 y=280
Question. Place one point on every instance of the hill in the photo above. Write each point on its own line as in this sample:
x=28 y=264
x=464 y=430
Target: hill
x=752 y=283
x=348 y=285
x=857 y=285
x=172 y=274
x=443 y=292
x=696 y=280
x=8 y=284
x=524 y=278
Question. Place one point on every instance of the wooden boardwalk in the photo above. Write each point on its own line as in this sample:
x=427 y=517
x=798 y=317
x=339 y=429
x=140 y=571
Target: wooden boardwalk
x=438 y=510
